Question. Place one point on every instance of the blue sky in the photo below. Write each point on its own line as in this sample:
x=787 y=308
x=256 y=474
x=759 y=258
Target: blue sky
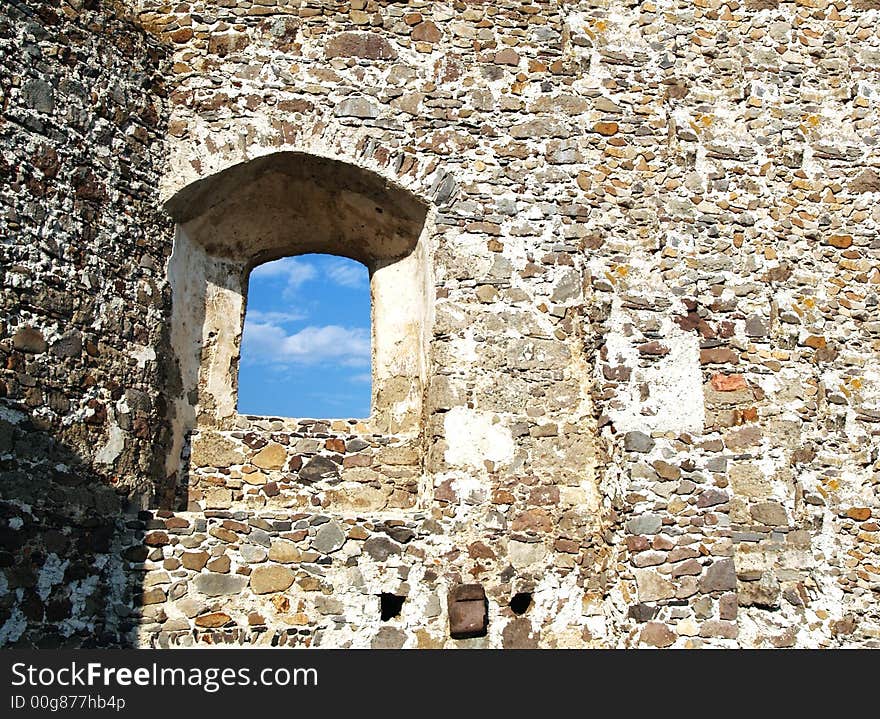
x=306 y=345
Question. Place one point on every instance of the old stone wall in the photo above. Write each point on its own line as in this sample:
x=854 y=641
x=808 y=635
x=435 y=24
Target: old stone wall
x=82 y=317
x=653 y=392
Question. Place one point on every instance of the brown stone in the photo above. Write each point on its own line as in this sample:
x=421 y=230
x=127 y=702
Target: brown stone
x=478 y=550
x=657 y=634
x=227 y=43
x=272 y=456
x=367 y=45
x=182 y=35
x=860 y=514
x=719 y=628
x=689 y=567
x=426 y=31
x=284 y=552
x=468 y=611
x=815 y=342
x=840 y=241
x=270 y=578
x=518 y=635
x=156 y=539
x=153 y=596
x=195 y=561
x=223 y=534
x=211 y=449
x=606 y=128
x=537 y=520
x=212 y=620
x=718 y=355
x=771 y=513
x=743 y=437
x=220 y=564
x=653 y=348
x=507 y=56
x=335 y=444
x=868 y=180
x=27 y=339
x=666 y=470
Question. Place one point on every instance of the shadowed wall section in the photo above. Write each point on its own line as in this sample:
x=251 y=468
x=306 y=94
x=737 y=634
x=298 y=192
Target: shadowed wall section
x=82 y=320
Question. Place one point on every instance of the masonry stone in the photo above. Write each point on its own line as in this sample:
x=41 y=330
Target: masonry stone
x=624 y=273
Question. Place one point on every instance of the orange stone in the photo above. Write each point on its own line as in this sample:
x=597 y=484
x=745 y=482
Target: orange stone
x=816 y=342
x=860 y=514
x=728 y=382
x=606 y=128
x=212 y=620
x=839 y=241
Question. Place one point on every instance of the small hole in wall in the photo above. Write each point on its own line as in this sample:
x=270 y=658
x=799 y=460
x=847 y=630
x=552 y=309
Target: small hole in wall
x=521 y=602
x=390 y=605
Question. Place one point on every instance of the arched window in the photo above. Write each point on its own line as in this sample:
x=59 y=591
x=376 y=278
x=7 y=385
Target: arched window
x=273 y=213
x=305 y=349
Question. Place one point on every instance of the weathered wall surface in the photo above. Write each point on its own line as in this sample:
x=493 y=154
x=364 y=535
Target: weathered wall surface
x=654 y=388
x=82 y=318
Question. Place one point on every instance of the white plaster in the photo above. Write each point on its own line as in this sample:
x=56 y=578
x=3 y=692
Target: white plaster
x=51 y=573
x=675 y=381
x=474 y=437
x=113 y=447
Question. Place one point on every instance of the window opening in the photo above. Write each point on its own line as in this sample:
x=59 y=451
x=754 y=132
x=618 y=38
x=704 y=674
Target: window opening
x=305 y=349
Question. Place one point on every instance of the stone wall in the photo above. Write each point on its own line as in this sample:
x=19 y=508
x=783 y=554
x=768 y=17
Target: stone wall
x=83 y=310
x=653 y=395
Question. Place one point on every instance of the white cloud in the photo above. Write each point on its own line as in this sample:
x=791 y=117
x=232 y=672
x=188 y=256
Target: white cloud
x=348 y=273
x=267 y=343
x=361 y=378
x=293 y=270
x=273 y=317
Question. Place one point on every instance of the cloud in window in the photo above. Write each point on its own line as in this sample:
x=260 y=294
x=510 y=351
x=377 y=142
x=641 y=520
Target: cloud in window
x=268 y=343
x=348 y=273
x=292 y=270
x=274 y=317
x=296 y=271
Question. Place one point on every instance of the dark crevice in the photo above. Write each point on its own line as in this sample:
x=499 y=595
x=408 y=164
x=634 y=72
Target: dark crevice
x=390 y=605
x=521 y=602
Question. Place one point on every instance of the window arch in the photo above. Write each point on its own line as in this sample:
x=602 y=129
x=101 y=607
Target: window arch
x=282 y=205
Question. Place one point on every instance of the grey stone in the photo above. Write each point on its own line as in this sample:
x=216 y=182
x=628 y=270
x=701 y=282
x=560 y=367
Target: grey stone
x=215 y=585
x=328 y=538
x=638 y=442
x=261 y=537
x=319 y=468
x=756 y=327
x=252 y=554
x=380 y=548
x=719 y=577
x=356 y=445
x=568 y=287
x=70 y=345
x=39 y=95
x=645 y=524
x=357 y=107
x=388 y=638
